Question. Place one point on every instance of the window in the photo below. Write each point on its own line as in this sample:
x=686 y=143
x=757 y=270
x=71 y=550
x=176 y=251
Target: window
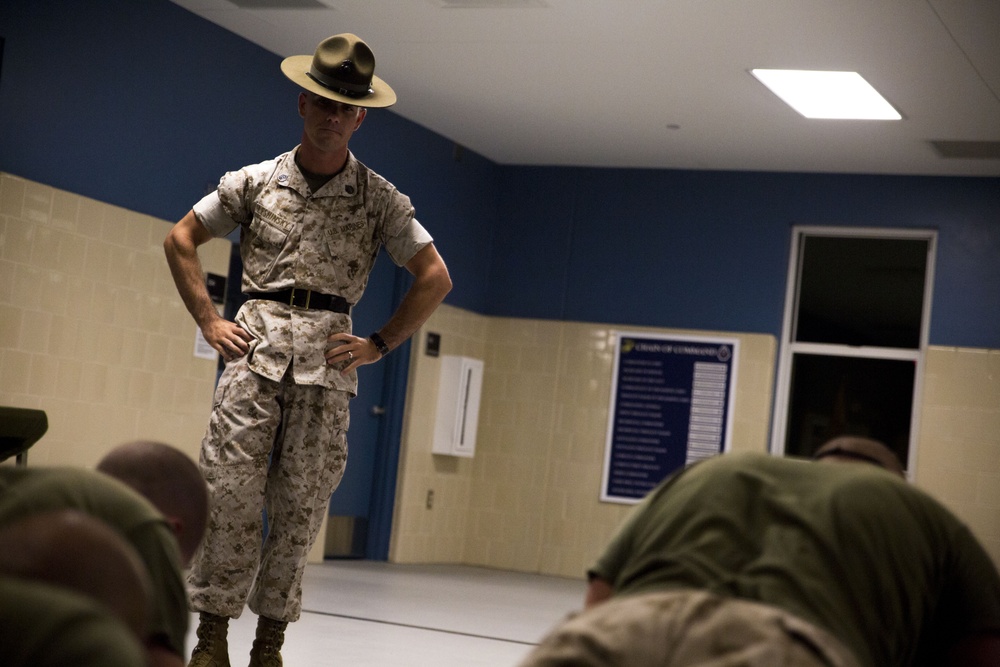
x=853 y=340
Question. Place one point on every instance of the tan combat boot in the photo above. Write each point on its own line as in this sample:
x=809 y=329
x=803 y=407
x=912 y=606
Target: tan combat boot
x=212 y=649
x=266 y=647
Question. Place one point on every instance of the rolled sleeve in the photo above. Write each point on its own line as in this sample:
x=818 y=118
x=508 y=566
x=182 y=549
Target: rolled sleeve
x=211 y=213
x=410 y=240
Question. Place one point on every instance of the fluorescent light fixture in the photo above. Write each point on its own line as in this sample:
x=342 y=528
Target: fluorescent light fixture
x=818 y=94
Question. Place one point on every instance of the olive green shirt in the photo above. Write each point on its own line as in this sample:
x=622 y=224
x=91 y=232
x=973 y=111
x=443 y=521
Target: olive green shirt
x=847 y=546
x=47 y=626
x=26 y=491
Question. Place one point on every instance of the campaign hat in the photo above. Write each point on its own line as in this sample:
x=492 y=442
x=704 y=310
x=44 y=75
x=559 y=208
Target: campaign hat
x=341 y=69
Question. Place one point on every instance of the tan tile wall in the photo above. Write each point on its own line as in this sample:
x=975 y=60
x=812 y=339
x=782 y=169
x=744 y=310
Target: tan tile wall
x=91 y=328
x=958 y=457
x=92 y=331
x=435 y=535
x=528 y=500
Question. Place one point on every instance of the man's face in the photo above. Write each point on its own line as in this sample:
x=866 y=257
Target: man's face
x=329 y=124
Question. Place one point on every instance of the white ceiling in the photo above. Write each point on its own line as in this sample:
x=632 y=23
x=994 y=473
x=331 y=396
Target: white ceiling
x=666 y=83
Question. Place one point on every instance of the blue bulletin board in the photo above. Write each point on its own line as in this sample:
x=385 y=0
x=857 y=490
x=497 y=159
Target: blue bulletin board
x=671 y=405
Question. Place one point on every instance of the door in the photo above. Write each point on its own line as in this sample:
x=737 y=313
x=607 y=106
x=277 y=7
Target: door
x=352 y=530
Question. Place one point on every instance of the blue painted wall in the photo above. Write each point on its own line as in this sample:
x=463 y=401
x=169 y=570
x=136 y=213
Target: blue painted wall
x=142 y=104
x=709 y=250
x=138 y=104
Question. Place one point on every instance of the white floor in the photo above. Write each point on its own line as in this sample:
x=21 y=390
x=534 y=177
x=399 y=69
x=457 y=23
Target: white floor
x=374 y=614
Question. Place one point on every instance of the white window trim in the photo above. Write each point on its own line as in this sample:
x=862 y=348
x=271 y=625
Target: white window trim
x=789 y=348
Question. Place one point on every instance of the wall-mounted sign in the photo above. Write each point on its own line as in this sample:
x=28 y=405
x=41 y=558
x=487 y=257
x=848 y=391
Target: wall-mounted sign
x=202 y=350
x=671 y=405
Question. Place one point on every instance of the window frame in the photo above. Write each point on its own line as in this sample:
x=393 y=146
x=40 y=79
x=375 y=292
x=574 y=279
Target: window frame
x=788 y=348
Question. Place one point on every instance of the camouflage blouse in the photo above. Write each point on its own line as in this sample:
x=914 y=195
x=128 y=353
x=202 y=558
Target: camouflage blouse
x=325 y=241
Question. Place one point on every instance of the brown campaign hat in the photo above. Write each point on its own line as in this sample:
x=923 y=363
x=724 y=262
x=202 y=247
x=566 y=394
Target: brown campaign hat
x=342 y=69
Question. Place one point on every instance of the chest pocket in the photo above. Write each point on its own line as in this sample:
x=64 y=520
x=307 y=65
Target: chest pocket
x=351 y=244
x=268 y=236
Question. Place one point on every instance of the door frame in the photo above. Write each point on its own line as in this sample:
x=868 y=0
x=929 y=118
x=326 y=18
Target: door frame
x=390 y=436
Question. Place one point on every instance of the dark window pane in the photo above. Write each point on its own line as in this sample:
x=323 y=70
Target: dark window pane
x=834 y=396
x=861 y=291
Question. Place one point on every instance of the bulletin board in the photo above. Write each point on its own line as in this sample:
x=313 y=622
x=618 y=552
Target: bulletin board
x=671 y=405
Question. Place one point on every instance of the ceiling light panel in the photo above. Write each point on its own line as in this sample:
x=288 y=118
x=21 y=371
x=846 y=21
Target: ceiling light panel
x=829 y=95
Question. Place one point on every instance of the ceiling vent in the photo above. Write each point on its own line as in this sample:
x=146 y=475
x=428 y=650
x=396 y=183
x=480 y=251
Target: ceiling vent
x=968 y=150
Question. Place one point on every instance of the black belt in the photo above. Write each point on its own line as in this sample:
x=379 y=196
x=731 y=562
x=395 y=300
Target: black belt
x=297 y=297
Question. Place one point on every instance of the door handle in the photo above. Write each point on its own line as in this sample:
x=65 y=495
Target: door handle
x=378 y=410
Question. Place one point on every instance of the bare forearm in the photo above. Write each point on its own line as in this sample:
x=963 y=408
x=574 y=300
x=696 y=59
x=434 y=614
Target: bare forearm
x=181 y=247
x=185 y=267
x=431 y=285
x=418 y=305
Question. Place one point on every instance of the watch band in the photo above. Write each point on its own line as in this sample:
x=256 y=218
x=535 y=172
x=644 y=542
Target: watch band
x=380 y=345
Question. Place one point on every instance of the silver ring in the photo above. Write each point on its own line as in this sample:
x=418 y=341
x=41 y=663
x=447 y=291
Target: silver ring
x=350 y=356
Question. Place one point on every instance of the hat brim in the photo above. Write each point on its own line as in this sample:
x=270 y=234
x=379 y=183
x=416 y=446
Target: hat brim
x=296 y=68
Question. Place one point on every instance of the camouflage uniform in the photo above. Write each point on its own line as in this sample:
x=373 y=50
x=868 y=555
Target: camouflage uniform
x=691 y=628
x=282 y=401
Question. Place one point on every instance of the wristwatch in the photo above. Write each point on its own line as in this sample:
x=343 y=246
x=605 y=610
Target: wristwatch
x=380 y=345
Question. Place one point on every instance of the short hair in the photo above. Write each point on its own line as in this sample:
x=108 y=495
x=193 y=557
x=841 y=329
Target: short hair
x=170 y=481
x=79 y=552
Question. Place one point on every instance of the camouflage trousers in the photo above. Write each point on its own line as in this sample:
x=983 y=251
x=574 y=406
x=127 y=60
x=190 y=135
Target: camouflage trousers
x=689 y=628
x=269 y=445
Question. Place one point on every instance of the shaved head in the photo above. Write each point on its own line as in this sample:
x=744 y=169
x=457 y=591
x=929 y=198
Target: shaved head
x=73 y=550
x=170 y=481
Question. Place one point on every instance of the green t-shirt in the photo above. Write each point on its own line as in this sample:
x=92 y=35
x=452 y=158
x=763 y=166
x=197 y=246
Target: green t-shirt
x=847 y=546
x=26 y=491
x=48 y=626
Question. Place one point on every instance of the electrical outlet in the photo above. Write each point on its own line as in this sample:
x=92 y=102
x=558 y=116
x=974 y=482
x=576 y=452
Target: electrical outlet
x=430 y=498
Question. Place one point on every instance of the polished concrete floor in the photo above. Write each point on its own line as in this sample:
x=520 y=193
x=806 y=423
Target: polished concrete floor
x=373 y=614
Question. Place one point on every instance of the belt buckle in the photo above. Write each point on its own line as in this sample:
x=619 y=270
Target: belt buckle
x=295 y=293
